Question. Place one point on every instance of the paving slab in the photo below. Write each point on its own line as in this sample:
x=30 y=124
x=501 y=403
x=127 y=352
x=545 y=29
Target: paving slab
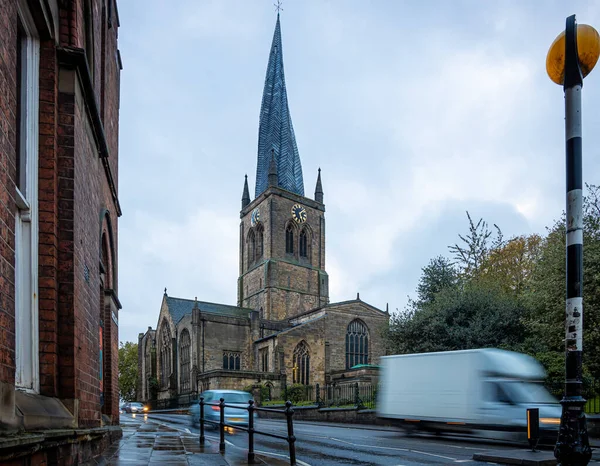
x=525 y=457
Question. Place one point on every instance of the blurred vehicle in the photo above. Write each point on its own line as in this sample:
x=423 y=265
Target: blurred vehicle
x=212 y=412
x=466 y=391
x=135 y=407
x=122 y=407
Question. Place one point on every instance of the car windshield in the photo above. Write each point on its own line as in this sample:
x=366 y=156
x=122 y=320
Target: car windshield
x=528 y=392
x=137 y=405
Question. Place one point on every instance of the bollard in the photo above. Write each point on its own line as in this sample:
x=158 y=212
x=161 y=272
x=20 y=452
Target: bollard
x=202 y=439
x=222 y=425
x=251 y=431
x=533 y=427
x=289 y=412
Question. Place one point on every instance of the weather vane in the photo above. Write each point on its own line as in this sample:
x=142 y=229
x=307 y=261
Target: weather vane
x=278 y=6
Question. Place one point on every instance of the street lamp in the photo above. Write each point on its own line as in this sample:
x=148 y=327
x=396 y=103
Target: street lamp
x=567 y=65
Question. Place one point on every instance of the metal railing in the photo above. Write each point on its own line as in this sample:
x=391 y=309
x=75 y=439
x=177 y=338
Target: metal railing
x=288 y=412
x=591 y=392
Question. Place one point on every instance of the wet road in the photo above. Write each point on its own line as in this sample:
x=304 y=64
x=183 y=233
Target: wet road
x=330 y=444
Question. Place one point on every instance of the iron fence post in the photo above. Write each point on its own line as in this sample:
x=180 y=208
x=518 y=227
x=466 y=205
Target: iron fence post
x=318 y=395
x=289 y=412
x=222 y=425
x=250 y=431
x=202 y=439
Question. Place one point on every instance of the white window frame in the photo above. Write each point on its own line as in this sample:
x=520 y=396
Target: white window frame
x=26 y=220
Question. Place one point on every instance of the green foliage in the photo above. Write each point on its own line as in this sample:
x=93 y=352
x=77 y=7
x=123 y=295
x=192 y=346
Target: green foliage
x=295 y=393
x=473 y=316
x=438 y=275
x=128 y=370
x=264 y=392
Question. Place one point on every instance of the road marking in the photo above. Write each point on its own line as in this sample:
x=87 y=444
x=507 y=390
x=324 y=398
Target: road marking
x=395 y=449
x=269 y=453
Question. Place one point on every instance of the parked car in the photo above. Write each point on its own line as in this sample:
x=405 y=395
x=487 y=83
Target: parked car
x=212 y=412
x=135 y=407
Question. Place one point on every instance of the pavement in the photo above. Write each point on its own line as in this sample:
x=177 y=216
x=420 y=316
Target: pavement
x=149 y=442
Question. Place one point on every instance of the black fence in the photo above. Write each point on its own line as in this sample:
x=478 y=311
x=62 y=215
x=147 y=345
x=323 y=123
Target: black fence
x=346 y=395
x=288 y=412
x=361 y=396
x=591 y=392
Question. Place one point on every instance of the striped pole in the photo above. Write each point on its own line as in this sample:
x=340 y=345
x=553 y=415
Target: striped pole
x=572 y=447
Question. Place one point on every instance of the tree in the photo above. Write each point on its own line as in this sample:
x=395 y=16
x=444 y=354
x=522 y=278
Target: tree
x=473 y=316
x=545 y=320
x=128 y=370
x=477 y=245
x=510 y=265
x=439 y=274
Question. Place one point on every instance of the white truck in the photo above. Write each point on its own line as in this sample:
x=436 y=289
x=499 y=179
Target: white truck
x=466 y=391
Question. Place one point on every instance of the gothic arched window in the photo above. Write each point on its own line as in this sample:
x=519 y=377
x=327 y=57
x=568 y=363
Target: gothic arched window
x=251 y=247
x=289 y=239
x=184 y=356
x=357 y=344
x=259 y=242
x=301 y=364
x=303 y=243
x=165 y=354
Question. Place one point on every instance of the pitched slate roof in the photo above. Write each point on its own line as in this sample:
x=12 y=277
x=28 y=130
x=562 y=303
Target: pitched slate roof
x=178 y=308
x=275 y=130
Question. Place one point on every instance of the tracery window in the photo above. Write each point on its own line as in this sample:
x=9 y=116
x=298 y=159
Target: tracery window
x=165 y=354
x=184 y=355
x=289 y=239
x=357 y=344
x=264 y=360
x=301 y=369
x=259 y=242
x=303 y=243
x=231 y=360
x=251 y=247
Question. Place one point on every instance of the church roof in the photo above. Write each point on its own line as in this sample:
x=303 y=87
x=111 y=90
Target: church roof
x=275 y=130
x=179 y=308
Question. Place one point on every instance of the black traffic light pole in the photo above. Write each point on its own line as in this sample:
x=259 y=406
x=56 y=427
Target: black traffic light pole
x=572 y=447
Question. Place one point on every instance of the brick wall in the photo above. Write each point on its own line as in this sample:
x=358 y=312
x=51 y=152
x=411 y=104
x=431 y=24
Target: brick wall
x=8 y=88
x=76 y=194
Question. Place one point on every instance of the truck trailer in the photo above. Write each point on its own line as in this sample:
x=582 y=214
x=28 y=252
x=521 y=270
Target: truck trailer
x=465 y=391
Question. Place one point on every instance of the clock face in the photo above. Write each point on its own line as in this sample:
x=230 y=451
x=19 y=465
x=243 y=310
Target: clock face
x=255 y=217
x=298 y=213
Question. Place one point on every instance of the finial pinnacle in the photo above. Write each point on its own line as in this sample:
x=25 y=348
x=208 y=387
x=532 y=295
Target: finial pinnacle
x=278 y=6
x=165 y=290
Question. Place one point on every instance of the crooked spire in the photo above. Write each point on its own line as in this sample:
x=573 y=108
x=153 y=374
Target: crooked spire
x=275 y=132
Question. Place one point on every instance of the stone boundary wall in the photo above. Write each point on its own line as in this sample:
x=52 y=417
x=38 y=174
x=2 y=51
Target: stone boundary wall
x=369 y=416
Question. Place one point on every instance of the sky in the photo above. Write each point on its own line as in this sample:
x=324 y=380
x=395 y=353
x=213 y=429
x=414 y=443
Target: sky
x=416 y=112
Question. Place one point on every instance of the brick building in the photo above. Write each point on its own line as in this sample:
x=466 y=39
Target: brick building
x=59 y=116
x=283 y=329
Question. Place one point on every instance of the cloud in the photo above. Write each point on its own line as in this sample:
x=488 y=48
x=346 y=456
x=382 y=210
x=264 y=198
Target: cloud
x=414 y=112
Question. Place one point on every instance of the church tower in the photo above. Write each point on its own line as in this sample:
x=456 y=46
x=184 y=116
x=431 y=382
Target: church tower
x=282 y=232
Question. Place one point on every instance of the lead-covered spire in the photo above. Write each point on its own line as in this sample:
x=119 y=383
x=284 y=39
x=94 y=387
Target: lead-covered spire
x=275 y=132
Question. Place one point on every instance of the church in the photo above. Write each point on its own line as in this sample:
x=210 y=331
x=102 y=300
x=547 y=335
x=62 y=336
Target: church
x=283 y=330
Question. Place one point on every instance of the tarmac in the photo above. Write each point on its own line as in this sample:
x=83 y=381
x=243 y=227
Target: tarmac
x=148 y=442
